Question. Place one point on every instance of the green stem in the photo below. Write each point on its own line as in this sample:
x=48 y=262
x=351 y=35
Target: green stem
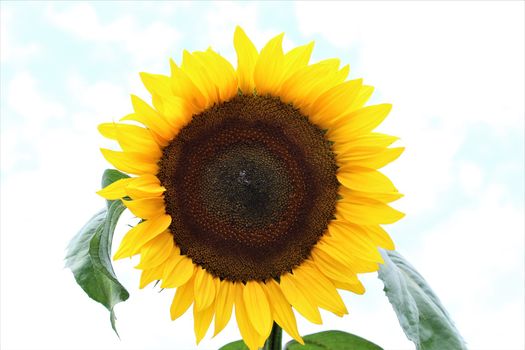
x=274 y=341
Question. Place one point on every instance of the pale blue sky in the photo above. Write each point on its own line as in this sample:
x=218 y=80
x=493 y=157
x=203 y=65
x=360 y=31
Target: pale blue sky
x=453 y=71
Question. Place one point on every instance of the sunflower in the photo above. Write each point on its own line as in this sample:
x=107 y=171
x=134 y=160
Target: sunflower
x=257 y=187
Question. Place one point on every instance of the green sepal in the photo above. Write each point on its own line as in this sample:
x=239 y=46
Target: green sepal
x=112 y=175
x=332 y=340
x=88 y=253
x=420 y=313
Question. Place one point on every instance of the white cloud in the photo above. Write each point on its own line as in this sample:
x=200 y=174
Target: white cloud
x=29 y=112
x=9 y=50
x=99 y=100
x=224 y=16
x=31 y=115
x=144 y=44
x=470 y=178
x=25 y=99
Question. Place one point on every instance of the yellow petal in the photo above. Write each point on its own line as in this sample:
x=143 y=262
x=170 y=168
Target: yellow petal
x=246 y=59
x=223 y=305
x=353 y=239
x=356 y=255
x=372 y=158
x=156 y=251
x=204 y=289
x=132 y=138
x=178 y=273
x=296 y=59
x=116 y=190
x=221 y=71
x=140 y=235
x=381 y=197
x=182 y=86
x=385 y=197
x=151 y=119
x=358 y=122
x=172 y=261
x=146 y=208
x=202 y=320
x=251 y=338
x=159 y=87
x=339 y=260
x=204 y=62
x=200 y=76
x=156 y=84
x=304 y=86
x=330 y=262
x=173 y=108
x=319 y=289
x=379 y=236
x=282 y=310
x=108 y=130
x=157 y=103
x=372 y=139
x=150 y=275
x=356 y=288
x=366 y=211
x=182 y=300
x=299 y=299
x=258 y=308
x=145 y=186
x=177 y=112
x=365 y=180
x=269 y=67
x=364 y=94
x=334 y=103
x=130 y=162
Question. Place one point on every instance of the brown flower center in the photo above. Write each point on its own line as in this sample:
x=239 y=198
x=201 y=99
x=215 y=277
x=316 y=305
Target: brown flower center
x=250 y=186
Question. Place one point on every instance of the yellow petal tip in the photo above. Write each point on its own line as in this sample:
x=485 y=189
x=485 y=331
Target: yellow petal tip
x=238 y=30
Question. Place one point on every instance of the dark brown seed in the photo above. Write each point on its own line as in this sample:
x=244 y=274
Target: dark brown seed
x=251 y=187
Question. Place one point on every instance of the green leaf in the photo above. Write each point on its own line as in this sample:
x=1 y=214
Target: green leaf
x=419 y=311
x=332 y=340
x=88 y=254
x=236 y=345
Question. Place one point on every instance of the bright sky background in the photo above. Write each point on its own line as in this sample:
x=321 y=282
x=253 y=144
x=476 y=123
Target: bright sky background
x=454 y=72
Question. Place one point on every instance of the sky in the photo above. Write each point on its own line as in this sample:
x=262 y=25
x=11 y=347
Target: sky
x=454 y=72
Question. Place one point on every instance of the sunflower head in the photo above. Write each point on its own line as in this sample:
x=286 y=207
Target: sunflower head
x=257 y=187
